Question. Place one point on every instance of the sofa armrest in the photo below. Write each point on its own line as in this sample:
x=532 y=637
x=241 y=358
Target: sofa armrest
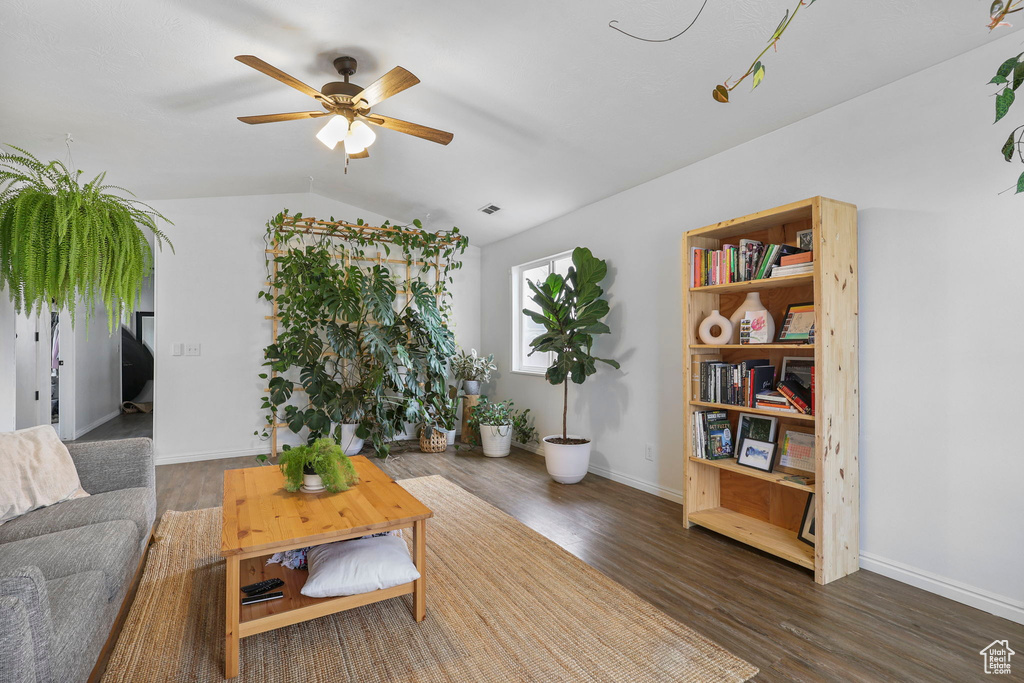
x=26 y=628
x=112 y=465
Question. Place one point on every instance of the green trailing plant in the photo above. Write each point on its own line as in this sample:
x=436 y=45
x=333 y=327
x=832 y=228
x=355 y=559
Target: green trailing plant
x=523 y=430
x=1008 y=79
x=441 y=411
x=1000 y=10
x=323 y=457
x=63 y=242
x=472 y=367
x=361 y=351
x=571 y=310
x=757 y=69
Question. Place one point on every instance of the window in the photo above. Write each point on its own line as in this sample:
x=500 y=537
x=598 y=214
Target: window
x=524 y=329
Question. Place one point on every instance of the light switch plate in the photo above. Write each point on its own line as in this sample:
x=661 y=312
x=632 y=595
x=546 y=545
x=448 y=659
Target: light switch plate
x=177 y=349
x=193 y=349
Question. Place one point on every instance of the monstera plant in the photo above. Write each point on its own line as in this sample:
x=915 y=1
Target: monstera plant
x=63 y=242
x=571 y=310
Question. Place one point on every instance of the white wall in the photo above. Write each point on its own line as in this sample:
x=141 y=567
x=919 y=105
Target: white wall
x=8 y=372
x=26 y=412
x=209 y=406
x=942 y=464
x=97 y=371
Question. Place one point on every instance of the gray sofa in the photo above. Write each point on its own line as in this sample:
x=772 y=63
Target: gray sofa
x=65 y=569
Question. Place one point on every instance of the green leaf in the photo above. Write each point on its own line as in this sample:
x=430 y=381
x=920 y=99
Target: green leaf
x=1010 y=146
x=1003 y=102
x=782 y=27
x=758 y=74
x=1020 y=184
x=1018 y=75
x=1006 y=67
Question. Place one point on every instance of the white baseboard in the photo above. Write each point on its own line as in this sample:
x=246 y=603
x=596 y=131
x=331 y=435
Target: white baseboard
x=660 y=491
x=999 y=605
x=172 y=459
x=82 y=431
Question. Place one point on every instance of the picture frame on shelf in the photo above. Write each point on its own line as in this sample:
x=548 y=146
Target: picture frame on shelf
x=805 y=239
x=798 y=366
x=797 y=324
x=758 y=455
x=796 y=450
x=807 y=532
x=759 y=427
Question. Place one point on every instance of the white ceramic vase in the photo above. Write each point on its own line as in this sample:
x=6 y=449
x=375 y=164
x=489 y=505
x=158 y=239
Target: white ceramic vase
x=312 y=483
x=566 y=463
x=497 y=440
x=350 y=443
x=751 y=304
x=714 y=320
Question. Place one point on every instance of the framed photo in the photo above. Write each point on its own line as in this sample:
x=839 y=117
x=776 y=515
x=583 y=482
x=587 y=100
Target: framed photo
x=796 y=450
x=799 y=367
x=759 y=427
x=805 y=239
x=759 y=455
x=798 y=323
x=806 y=533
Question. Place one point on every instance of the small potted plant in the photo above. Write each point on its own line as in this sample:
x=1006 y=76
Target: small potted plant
x=570 y=309
x=498 y=423
x=317 y=466
x=472 y=369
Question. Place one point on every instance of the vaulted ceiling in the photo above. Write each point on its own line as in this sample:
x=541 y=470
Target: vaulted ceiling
x=551 y=108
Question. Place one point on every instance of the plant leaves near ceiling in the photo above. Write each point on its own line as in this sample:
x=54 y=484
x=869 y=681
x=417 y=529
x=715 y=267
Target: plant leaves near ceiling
x=1004 y=101
x=757 y=67
x=1010 y=146
x=999 y=10
x=361 y=339
x=1020 y=184
x=63 y=242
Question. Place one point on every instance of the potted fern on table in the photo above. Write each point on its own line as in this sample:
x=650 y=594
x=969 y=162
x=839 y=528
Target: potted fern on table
x=571 y=310
x=314 y=467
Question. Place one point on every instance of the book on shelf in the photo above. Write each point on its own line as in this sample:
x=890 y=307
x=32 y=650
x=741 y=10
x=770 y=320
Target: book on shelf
x=796 y=394
x=795 y=259
x=712 y=435
x=773 y=400
x=783 y=271
x=732 y=383
x=749 y=260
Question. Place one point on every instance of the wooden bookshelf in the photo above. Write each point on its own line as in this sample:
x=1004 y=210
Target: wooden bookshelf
x=759 y=508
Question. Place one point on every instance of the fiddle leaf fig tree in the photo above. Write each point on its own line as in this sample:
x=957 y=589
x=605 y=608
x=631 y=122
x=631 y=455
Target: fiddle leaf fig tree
x=571 y=310
x=63 y=242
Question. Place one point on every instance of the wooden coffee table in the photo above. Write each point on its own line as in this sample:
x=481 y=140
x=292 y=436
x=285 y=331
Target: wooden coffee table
x=262 y=518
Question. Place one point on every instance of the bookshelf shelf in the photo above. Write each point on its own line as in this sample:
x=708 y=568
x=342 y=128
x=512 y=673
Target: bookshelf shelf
x=755 y=411
x=755 y=347
x=733 y=466
x=762 y=535
x=760 y=508
x=757 y=285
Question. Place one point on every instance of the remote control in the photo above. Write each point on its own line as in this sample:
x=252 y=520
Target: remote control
x=261 y=587
x=262 y=598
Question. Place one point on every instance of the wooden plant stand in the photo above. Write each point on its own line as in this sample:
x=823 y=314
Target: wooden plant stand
x=262 y=518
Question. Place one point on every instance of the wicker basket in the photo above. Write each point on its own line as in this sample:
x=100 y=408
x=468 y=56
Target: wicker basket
x=437 y=442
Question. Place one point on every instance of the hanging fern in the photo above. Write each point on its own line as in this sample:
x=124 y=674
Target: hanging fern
x=62 y=242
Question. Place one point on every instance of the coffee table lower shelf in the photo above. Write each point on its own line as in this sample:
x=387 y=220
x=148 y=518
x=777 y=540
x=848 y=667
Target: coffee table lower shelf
x=295 y=607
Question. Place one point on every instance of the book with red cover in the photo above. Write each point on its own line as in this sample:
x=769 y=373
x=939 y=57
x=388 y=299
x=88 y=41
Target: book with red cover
x=795 y=394
x=793 y=259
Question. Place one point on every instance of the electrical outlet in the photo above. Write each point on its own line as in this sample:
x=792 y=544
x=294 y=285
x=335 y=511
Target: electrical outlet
x=193 y=349
x=177 y=349
x=649 y=452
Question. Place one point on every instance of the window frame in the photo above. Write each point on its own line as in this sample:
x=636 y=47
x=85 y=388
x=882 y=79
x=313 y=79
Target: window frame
x=520 y=293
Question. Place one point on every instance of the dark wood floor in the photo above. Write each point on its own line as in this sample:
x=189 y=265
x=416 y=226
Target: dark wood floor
x=864 y=627
x=124 y=426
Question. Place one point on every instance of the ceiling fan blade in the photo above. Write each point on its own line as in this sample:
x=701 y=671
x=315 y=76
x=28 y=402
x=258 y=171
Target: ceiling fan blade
x=432 y=134
x=391 y=83
x=360 y=155
x=274 y=72
x=274 y=118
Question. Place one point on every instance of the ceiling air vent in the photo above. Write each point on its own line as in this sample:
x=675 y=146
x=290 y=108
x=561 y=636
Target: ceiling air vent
x=490 y=208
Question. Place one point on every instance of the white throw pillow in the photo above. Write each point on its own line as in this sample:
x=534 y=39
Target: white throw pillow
x=358 y=566
x=36 y=470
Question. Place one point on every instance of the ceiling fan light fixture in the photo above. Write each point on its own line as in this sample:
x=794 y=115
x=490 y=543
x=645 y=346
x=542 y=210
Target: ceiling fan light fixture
x=360 y=135
x=334 y=132
x=351 y=147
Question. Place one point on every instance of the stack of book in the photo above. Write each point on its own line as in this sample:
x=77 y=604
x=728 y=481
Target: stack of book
x=732 y=383
x=794 y=264
x=774 y=400
x=750 y=260
x=712 y=435
x=798 y=396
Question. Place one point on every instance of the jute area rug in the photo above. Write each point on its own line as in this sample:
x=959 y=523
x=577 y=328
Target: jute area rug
x=504 y=604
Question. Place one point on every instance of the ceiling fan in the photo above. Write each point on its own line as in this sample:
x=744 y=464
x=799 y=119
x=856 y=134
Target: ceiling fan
x=349 y=106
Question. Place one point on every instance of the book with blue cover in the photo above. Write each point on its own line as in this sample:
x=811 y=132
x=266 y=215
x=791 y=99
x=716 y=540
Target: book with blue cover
x=720 y=441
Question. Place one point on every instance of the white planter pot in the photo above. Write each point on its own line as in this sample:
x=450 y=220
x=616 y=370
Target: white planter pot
x=567 y=464
x=450 y=436
x=350 y=443
x=312 y=483
x=497 y=440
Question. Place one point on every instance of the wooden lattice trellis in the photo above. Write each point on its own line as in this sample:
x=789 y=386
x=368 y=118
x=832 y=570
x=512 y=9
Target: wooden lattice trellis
x=343 y=234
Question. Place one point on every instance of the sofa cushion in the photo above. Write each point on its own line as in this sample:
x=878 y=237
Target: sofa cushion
x=36 y=470
x=108 y=547
x=82 y=618
x=134 y=505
